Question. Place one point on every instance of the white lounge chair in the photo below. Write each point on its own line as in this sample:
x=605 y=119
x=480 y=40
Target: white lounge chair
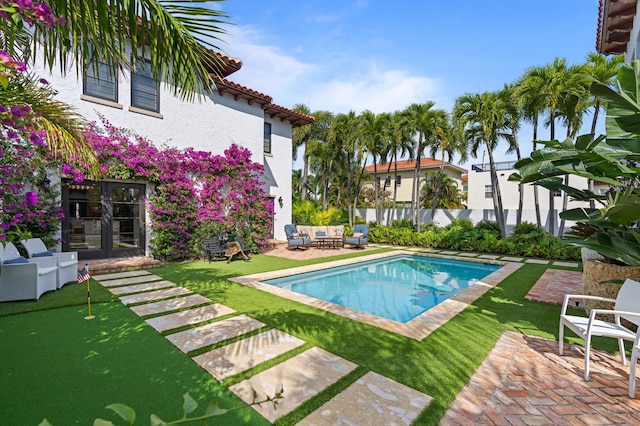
x=627 y=306
x=67 y=261
x=25 y=279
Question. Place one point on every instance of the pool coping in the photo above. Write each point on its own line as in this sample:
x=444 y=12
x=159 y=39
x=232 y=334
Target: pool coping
x=417 y=328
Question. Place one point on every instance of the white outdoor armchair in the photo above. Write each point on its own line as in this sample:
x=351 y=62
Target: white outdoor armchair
x=67 y=262
x=25 y=279
x=627 y=306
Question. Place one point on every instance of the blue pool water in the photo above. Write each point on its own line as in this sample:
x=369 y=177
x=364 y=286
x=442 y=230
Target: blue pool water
x=398 y=288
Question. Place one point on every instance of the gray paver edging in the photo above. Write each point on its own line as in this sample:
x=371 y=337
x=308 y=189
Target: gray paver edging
x=417 y=328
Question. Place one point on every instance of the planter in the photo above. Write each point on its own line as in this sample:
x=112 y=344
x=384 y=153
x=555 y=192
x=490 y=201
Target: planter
x=594 y=273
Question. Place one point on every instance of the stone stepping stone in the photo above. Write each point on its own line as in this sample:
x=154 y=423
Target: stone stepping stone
x=301 y=377
x=169 y=305
x=240 y=356
x=131 y=280
x=373 y=399
x=512 y=259
x=209 y=334
x=468 y=254
x=538 y=261
x=154 y=295
x=414 y=249
x=488 y=256
x=137 y=288
x=449 y=252
x=189 y=317
x=566 y=264
x=117 y=275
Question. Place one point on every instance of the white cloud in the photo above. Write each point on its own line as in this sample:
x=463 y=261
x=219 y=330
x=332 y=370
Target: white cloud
x=338 y=82
x=375 y=90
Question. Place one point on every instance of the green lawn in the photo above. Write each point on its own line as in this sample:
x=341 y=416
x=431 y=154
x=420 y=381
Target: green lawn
x=60 y=366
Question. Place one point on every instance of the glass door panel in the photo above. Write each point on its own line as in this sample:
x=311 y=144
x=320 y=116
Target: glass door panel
x=85 y=217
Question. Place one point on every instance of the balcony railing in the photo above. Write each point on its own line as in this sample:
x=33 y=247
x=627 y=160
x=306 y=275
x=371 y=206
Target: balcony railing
x=500 y=165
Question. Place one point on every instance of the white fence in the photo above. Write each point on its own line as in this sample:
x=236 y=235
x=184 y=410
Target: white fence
x=444 y=217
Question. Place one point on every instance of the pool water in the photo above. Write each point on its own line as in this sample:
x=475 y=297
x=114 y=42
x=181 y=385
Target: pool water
x=398 y=288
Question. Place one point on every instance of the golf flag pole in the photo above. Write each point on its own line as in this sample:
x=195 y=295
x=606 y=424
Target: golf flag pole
x=84 y=276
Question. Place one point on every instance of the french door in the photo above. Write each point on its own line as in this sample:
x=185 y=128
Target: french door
x=104 y=219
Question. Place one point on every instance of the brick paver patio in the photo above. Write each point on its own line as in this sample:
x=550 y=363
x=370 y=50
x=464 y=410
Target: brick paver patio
x=524 y=381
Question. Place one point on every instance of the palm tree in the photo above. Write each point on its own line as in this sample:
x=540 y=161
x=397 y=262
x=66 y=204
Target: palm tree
x=423 y=122
x=529 y=94
x=344 y=134
x=446 y=141
x=514 y=110
x=178 y=39
x=318 y=130
x=399 y=143
x=558 y=81
x=445 y=190
x=602 y=69
x=482 y=116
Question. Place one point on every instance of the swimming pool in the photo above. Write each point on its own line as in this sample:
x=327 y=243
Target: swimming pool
x=398 y=288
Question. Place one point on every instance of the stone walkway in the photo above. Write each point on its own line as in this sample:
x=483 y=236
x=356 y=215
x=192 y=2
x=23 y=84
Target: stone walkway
x=372 y=399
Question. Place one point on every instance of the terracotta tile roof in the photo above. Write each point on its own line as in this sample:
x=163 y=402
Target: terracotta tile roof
x=464 y=177
x=425 y=163
x=239 y=91
x=231 y=65
x=615 y=22
x=296 y=118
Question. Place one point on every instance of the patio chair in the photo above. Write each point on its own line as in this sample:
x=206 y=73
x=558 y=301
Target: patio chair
x=214 y=249
x=67 y=262
x=626 y=305
x=25 y=279
x=360 y=237
x=296 y=240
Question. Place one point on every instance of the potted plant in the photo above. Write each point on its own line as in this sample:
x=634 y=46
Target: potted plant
x=610 y=227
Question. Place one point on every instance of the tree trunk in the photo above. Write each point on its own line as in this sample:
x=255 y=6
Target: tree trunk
x=552 y=216
x=497 y=197
x=392 y=182
x=416 y=186
x=436 y=196
x=536 y=196
x=305 y=174
x=376 y=189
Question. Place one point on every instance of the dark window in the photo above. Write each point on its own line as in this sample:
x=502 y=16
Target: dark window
x=488 y=191
x=398 y=180
x=267 y=138
x=377 y=182
x=145 y=91
x=557 y=193
x=101 y=81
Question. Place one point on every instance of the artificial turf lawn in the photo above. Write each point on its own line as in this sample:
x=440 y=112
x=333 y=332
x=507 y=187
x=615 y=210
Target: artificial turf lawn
x=59 y=366
x=439 y=366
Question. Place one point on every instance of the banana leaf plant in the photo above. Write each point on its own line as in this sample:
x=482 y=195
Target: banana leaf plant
x=611 y=228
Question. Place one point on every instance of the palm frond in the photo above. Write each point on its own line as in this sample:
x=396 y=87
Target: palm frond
x=178 y=37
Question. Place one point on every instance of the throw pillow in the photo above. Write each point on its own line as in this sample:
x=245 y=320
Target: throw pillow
x=357 y=235
x=43 y=254
x=295 y=235
x=20 y=259
x=321 y=234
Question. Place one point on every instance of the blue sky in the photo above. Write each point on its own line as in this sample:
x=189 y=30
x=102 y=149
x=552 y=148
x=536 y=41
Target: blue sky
x=383 y=56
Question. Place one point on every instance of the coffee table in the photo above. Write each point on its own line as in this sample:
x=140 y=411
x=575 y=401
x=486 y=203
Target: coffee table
x=329 y=242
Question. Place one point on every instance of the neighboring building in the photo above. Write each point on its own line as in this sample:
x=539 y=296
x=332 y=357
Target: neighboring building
x=404 y=177
x=480 y=189
x=231 y=114
x=619 y=29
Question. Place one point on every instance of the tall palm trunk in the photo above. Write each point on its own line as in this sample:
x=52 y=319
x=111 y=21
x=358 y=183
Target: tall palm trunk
x=376 y=189
x=415 y=196
x=497 y=196
x=391 y=182
x=358 y=186
x=592 y=203
x=436 y=197
x=536 y=195
x=305 y=174
x=552 y=216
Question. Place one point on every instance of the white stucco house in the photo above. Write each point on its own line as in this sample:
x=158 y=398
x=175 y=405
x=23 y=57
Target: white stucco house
x=231 y=113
